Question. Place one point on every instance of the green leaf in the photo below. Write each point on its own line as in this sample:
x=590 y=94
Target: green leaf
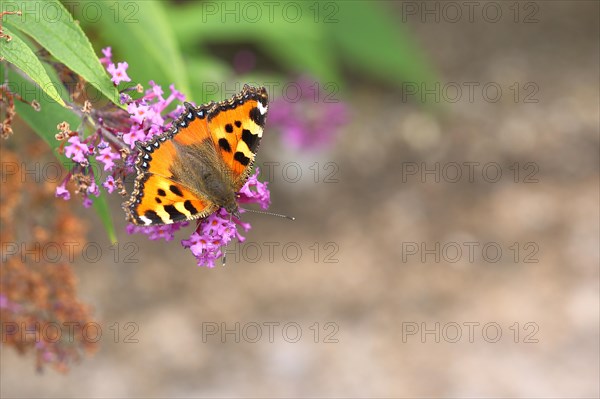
x=208 y=70
x=381 y=47
x=63 y=38
x=298 y=45
x=306 y=56
x=44 y=123
x=140 y=33
x=19 y=54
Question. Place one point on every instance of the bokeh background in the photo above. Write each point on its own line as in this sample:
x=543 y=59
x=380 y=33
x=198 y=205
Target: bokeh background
x=364 y=279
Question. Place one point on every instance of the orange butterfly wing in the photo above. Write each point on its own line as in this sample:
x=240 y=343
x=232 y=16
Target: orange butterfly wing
x=235 y=128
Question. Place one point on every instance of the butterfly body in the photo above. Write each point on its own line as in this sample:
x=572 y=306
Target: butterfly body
x=201 y=163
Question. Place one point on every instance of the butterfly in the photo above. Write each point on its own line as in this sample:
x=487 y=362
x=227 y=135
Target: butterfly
x=199 y=165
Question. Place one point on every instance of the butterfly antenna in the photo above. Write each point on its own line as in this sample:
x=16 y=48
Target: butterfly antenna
x=269 y=213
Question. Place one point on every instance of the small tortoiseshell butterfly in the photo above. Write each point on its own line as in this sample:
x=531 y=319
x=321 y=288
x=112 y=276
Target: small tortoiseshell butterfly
x=200 y=164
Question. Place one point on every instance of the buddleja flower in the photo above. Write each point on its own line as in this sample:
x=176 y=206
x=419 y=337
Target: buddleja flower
x=62 y=192
x=118 y=73
x=107 y=59
x=107 y=156
x=313 y=119
x=134 y=135
x=217 y=230
x=255 y=191
x=166 y=232
x=113 y=144
x=77 y=151
x=110 y=184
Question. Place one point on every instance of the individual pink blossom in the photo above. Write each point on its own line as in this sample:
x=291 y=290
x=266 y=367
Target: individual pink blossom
x=107 y=59
x=134 y=135
x=62 y=192
x=175 y=94
x=118 y=74
x=155 y=120
x=138 y=112
x=77 y=151
x=93 y=189
x=155 y=91
x=109 y=184
x=125 y=98
x=108 y=157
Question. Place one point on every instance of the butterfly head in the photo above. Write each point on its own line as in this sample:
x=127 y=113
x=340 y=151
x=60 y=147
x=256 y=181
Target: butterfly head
x=231 y=207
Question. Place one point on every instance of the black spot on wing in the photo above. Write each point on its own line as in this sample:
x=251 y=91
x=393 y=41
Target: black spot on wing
x=238 y=124
x=241 y=158
x=153 y=216
x=224 y=144
x=174 y=214
x=257 y=117
x=175 y=190
x=250 y=139
x=188 y=205
x=158 y=201
x=161 y=192
x=229 y=128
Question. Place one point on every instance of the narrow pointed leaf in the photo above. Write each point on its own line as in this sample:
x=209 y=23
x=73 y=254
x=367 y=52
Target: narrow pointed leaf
x=44 y=123
x=20 y=55
x=62 y=36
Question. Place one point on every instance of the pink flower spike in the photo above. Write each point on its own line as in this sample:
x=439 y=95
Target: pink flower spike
x=119 y=73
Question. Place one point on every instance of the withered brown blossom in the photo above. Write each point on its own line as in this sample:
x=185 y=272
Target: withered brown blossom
x=39 y=308
x=87 y=107
x=7 y=97
x=5 y=36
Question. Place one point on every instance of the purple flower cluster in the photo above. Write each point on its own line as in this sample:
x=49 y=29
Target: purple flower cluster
x=211 y=234
x=116 y=134
x=220 y=228
x=312 y=120
x=167 y=231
